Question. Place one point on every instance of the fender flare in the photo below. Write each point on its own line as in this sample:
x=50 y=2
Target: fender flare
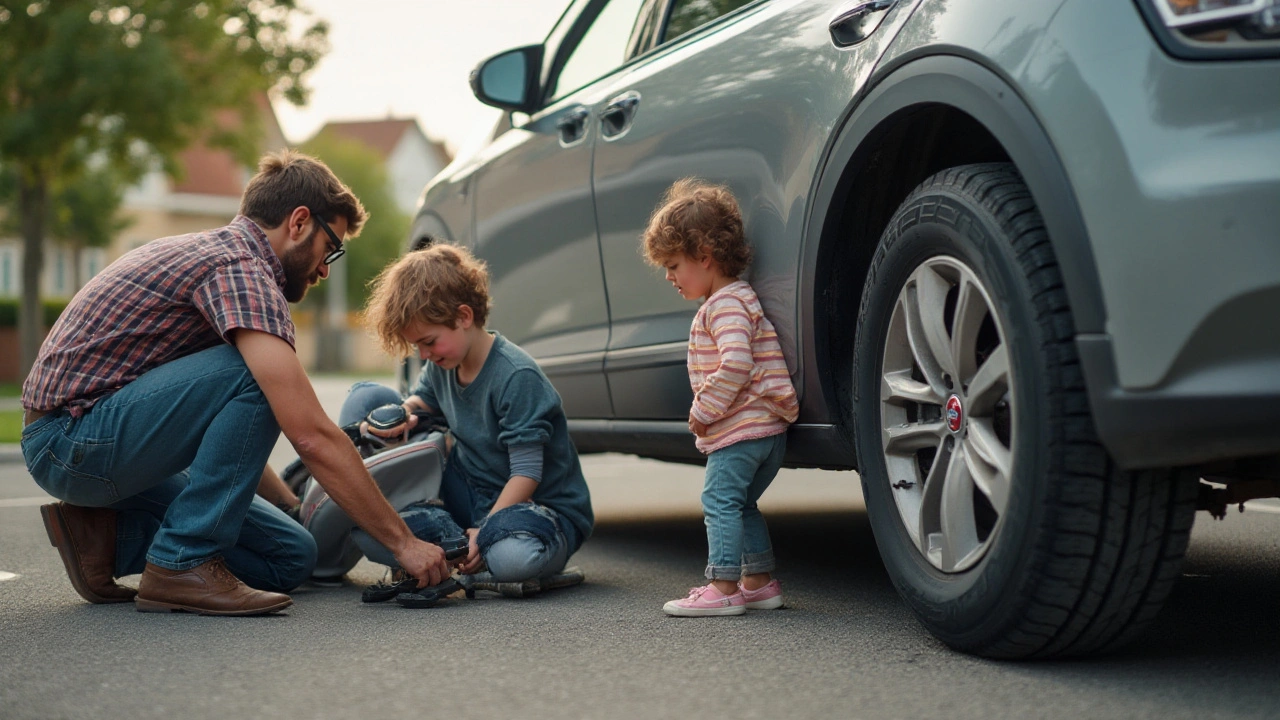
x=990 y=100
x=427 y=224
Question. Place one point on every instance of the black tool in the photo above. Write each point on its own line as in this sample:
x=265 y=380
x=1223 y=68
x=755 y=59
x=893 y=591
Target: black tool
x=428 y=597
x=403 y=583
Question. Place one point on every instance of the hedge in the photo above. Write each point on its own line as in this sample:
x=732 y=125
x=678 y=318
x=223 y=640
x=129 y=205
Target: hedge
x=9 y=311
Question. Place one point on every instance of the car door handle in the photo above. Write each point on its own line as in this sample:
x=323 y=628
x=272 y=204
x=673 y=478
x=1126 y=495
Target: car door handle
x=572 y=126
x=855 y=24
x=618 y=114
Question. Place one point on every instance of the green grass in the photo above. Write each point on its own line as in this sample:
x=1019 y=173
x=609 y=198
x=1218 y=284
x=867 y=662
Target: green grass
x=10 y=389
x=10 y=426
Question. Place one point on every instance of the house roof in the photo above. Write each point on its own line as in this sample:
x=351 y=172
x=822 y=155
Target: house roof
x=209 y=172
x=381 y=135
x=215 y=172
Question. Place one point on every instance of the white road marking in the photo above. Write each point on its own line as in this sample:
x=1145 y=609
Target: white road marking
x=7 y=575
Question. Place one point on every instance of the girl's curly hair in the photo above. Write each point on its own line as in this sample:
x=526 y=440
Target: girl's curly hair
x=698 y=219
x=427 y=285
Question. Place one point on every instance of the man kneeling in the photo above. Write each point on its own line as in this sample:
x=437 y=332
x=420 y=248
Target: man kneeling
x=160 y=392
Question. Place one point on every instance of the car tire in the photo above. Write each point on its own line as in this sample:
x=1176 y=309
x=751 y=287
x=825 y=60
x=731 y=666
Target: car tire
x=1004 y=524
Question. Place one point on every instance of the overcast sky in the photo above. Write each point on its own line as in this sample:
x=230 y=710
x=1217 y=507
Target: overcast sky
x=412 y=58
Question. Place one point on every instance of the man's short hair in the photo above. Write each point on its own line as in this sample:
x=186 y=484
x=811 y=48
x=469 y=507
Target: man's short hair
x=427 y=285
x=289 y=179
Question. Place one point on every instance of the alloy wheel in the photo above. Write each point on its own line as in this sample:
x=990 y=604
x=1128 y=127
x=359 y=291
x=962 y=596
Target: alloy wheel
x=947 y=413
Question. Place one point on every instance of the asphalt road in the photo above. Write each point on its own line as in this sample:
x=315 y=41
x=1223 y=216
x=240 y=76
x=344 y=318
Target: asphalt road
x=844 y=647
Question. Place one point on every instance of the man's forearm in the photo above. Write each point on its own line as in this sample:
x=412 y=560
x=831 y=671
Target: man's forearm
x=273 y=490
x=336 y=465
x=327 y=451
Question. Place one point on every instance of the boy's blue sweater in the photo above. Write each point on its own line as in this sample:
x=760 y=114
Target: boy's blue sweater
x=510 y=402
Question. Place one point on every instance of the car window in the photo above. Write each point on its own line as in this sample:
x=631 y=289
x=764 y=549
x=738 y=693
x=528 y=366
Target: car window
x=648 y=26
x=602 y=48
x=689 y=15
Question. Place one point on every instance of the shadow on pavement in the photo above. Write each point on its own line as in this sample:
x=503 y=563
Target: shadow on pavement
x=1220 y=628
x=828 y=557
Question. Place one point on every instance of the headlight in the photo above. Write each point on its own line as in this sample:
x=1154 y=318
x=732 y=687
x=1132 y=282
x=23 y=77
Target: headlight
x=1205 y=29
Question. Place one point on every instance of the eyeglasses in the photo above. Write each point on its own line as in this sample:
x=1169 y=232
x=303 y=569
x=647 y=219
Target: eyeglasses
x=335 y=245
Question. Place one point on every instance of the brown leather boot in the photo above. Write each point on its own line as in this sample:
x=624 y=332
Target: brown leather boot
x=206 y=589
x=86 y=540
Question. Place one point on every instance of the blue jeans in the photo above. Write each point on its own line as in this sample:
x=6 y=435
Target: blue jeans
x=737 y=536
x=512 y=552
x=519 y=542
x=178 y=453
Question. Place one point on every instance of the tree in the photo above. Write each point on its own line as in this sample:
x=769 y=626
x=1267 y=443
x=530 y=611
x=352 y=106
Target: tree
x=131 y=83
x=83 y=208
x=383 y=236
x=380 y=241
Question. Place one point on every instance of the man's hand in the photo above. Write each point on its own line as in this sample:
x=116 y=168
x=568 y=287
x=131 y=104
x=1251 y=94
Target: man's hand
x=474 y=562
x=424 y=561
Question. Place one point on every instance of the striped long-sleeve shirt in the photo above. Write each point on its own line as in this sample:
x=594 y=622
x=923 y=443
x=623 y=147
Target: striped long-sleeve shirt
x=741 y=387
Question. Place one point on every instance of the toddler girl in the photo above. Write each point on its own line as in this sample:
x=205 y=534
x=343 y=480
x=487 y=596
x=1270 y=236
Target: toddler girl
x=743 y=399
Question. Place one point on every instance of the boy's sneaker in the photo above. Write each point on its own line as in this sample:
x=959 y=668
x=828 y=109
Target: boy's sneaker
x=704 y=601
x=768 y=597
x=567 y=577
x=394 y=582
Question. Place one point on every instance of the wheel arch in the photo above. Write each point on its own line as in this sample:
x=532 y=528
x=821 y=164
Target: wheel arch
x=921 y=116
x=428 y=228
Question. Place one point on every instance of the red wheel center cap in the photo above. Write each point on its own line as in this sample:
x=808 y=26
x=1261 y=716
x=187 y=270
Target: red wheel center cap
x=955 y=414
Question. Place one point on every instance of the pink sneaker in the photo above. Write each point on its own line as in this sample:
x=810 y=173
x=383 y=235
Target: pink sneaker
x=704 y=601
x=768 y=597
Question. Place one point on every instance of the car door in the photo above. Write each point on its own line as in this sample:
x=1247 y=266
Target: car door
x=740 y=93
x=535 y=222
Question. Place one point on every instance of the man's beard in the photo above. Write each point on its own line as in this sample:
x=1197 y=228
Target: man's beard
x=298 y=270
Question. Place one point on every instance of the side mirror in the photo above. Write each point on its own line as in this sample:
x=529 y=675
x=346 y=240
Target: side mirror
x=509 y=80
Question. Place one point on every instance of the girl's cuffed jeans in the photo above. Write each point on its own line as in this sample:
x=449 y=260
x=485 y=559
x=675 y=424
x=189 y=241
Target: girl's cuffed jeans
x=737 y=536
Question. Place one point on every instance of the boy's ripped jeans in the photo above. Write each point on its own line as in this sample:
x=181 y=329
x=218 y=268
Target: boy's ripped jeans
x=518 y=543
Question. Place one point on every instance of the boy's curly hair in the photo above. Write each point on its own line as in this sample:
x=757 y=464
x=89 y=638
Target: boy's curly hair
x=698 y=219
x=427 y=285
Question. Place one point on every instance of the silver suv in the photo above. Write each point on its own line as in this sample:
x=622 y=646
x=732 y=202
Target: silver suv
x=1024 y=258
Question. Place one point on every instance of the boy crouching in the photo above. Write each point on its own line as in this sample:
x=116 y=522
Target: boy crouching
x=512 y=481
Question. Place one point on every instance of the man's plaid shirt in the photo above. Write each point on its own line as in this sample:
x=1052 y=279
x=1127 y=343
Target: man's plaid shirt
x=165 y=300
